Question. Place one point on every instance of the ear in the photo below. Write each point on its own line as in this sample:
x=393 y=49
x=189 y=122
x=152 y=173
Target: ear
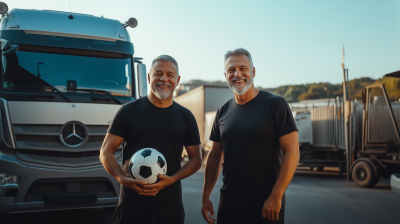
x=148 y=77
x=177 y=80
x=225 y=75
x=254 y=72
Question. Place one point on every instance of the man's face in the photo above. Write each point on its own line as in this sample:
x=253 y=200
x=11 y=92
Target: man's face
x=163 y=79
x=239 y=73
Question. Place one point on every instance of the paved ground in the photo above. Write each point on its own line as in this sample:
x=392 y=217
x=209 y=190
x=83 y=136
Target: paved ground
x=313 y=197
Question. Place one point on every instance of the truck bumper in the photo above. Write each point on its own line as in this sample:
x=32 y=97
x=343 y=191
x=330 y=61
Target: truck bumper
x=49 y=188
x=395 y=183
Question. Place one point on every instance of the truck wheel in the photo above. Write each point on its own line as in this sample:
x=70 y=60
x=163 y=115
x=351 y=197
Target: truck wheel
x=364 y=175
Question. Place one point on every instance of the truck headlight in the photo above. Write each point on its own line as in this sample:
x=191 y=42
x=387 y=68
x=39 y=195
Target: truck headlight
x=8 y=179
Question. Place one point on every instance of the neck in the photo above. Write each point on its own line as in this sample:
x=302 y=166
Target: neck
x=158 y=102
x=249 y=95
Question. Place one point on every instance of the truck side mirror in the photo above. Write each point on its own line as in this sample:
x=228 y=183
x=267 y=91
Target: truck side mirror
x=11 y=50
x=142 y=79
x=6 y=51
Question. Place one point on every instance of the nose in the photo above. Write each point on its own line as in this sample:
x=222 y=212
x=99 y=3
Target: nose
x=164 y=78
x=237 y=74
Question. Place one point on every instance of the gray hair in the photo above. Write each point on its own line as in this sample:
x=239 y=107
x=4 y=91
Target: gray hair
x=165 y=58
x=239 y=51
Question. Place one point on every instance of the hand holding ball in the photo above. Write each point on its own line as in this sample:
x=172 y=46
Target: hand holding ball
x=146 y=164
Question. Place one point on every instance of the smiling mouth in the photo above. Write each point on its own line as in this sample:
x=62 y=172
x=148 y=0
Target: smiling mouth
x=163 y=86
x=239 y=81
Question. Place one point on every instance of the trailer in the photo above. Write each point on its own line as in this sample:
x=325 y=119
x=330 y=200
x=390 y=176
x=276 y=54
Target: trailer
x=379 y=154
x=203 y=102
x=360 y=138
x=321 y=136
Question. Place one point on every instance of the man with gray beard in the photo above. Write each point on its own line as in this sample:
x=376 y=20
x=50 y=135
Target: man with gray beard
x=250 y=134
x=155 y=121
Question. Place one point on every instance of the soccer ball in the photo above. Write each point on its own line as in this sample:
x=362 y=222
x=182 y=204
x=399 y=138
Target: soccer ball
x=146 y=164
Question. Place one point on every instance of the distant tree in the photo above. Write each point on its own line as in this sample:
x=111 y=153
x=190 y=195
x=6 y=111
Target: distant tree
x=281 y=90
x=296 y=93
x=317 y=90
x=337 y=93
x=357 y=85
x=309 y=96
x=392 y=86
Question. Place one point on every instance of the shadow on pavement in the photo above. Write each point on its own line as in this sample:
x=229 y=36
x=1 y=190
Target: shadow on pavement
x=384 y=183
x=73 y=216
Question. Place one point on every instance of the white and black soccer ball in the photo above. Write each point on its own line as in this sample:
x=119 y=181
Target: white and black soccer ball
x=146 y=164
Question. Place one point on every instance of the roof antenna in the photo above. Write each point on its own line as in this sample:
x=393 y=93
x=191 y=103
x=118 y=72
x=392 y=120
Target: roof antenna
x=70 y=13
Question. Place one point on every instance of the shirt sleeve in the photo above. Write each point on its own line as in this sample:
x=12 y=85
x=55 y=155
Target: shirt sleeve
x=215 y=133
x=192 y=136
x=118 y=125
x=284 y=122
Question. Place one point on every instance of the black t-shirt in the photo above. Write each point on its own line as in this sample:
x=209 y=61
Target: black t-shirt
x=143 y=125
x=250 y=139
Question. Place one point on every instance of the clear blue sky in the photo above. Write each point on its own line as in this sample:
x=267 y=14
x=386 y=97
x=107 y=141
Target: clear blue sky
x=291 y=41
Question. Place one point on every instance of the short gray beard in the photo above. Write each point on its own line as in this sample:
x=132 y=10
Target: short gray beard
x=249 y=83
x=161 y=95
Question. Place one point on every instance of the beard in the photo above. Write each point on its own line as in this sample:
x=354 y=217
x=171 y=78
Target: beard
x=241 y=90
x=162 y=95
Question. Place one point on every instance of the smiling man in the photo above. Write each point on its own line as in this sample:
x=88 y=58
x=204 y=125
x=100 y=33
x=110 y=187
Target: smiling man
x=250 y=134
x=155 y=122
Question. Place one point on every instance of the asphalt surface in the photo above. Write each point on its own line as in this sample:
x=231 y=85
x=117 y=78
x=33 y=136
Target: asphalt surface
x=312 y=197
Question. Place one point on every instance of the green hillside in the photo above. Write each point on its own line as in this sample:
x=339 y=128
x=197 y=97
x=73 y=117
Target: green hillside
x=317 y=90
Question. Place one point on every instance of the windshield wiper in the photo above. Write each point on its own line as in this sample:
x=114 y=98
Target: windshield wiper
x=100 y=91
x=43 y=88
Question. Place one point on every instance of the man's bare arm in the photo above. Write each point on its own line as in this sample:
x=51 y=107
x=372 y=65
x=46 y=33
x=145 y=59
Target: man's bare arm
x=191 y=167
x=211 y=174
x=107 y=151
x=290 y=147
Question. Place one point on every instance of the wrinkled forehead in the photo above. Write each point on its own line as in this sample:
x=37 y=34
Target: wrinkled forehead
x=165 y=67
x=237 y=61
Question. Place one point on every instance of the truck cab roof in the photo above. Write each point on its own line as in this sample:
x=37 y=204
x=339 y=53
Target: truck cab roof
x=56 y=23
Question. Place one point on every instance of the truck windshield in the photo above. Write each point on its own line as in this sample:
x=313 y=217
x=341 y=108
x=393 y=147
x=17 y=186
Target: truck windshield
x=79 y=69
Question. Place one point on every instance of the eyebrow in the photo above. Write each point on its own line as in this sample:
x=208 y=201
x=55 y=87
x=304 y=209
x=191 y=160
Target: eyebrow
x=240 y=66
x=162 y=71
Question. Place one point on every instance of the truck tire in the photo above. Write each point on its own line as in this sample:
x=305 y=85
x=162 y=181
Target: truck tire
x=364 y=175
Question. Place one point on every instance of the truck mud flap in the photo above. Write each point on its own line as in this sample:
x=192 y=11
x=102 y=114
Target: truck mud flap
x=70 y=199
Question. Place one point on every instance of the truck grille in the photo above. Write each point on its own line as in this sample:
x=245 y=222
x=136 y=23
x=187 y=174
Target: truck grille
x=50 y=129
x=63 y=159
x=49 y=138
x=41 y=144
x=46 y=137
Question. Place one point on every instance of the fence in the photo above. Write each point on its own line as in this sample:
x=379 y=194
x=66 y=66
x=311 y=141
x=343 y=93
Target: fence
x=328 y=124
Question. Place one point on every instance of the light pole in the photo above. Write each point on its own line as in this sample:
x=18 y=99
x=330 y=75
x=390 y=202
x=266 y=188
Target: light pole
x=346 y=110
x=327 y=94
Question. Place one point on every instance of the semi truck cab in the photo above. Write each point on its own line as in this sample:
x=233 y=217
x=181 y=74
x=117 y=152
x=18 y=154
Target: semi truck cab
x=63 y=77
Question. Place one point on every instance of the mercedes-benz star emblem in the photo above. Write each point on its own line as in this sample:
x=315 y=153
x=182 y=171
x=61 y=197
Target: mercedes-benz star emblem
x=73 y=134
